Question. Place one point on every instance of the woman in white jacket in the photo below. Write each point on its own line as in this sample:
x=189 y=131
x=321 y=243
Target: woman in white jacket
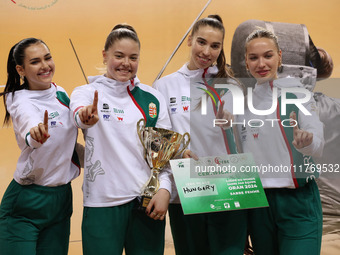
x=283 y=141
x=36 y=208
x=214 y=233
x=108 y=110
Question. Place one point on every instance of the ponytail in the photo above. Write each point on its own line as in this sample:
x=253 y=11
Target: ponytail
x=16 y=57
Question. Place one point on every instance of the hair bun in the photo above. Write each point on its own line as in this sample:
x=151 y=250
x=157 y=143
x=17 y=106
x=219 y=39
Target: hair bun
x=216 y=16
x=124 y=26
x=121 y=31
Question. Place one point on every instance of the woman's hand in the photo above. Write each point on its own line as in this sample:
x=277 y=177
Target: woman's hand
x=40 y=132
x=158 y=205
x=89 y=114
x=189 y=154
x=224 y=115
x=302 y=138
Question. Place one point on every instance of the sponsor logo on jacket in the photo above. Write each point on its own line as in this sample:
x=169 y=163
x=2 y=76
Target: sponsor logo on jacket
x=118 y=111
x=185 y=99
x=106 y=117
x=53 y=115
x=55 y=124
x=105 y=108
x=119 y=114
x=172 y=100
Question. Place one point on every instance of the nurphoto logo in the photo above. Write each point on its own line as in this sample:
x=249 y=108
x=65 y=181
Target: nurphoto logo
x=239 y=104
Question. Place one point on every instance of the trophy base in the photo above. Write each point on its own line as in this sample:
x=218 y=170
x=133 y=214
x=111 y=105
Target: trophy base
x=142 y=202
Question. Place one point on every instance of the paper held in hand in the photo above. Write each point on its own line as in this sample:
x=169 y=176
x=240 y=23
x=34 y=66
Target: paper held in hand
x=222 y=183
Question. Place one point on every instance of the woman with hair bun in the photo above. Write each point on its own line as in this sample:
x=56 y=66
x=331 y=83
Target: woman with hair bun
x=209 y=233
x=108 y=110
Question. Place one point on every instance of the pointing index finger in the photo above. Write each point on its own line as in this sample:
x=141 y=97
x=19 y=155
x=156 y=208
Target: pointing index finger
x=95 y=101
x=46 y=120
x=293 y=121
x=220 y=110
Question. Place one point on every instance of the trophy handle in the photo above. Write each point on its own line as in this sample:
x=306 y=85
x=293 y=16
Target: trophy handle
x=185 y=143
x=139 y=131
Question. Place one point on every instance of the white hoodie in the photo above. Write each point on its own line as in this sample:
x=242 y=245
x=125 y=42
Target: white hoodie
x=48 y=164
x=115 y=168
x=183 y=92
x=267 y=143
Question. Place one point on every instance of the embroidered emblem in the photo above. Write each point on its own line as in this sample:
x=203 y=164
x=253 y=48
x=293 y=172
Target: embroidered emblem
x=152 y=110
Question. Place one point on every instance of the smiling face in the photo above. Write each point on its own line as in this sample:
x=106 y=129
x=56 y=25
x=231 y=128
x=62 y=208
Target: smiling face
x=38 y=67
x=122 y=59
x=206 y=45
x=262 y=59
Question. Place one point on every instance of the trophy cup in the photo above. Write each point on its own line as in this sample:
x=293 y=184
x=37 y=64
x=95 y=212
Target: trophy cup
x=160 y=145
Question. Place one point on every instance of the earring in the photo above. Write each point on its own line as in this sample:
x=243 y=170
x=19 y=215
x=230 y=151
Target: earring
x=248 y=73
x=22 y=79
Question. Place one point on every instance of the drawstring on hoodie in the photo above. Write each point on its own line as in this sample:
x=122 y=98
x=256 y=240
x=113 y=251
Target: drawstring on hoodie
x=210 y=87
x=215 y=110
x=285 y=139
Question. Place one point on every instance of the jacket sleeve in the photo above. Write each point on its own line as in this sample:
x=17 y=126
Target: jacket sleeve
x=165 y=178
x=164 y=122
x=80 y=97
x=163 y=119
x=312 y=124
x=25 y=116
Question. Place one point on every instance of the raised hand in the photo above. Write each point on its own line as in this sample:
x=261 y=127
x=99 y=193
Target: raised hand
x=302 y=138
x=89 y=114
x=225 y=115
x=40 y=132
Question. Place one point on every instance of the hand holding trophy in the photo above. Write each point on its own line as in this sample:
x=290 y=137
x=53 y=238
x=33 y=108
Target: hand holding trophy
x=160 y=145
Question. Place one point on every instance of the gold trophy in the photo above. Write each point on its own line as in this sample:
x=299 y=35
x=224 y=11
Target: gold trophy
x=160 y=145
